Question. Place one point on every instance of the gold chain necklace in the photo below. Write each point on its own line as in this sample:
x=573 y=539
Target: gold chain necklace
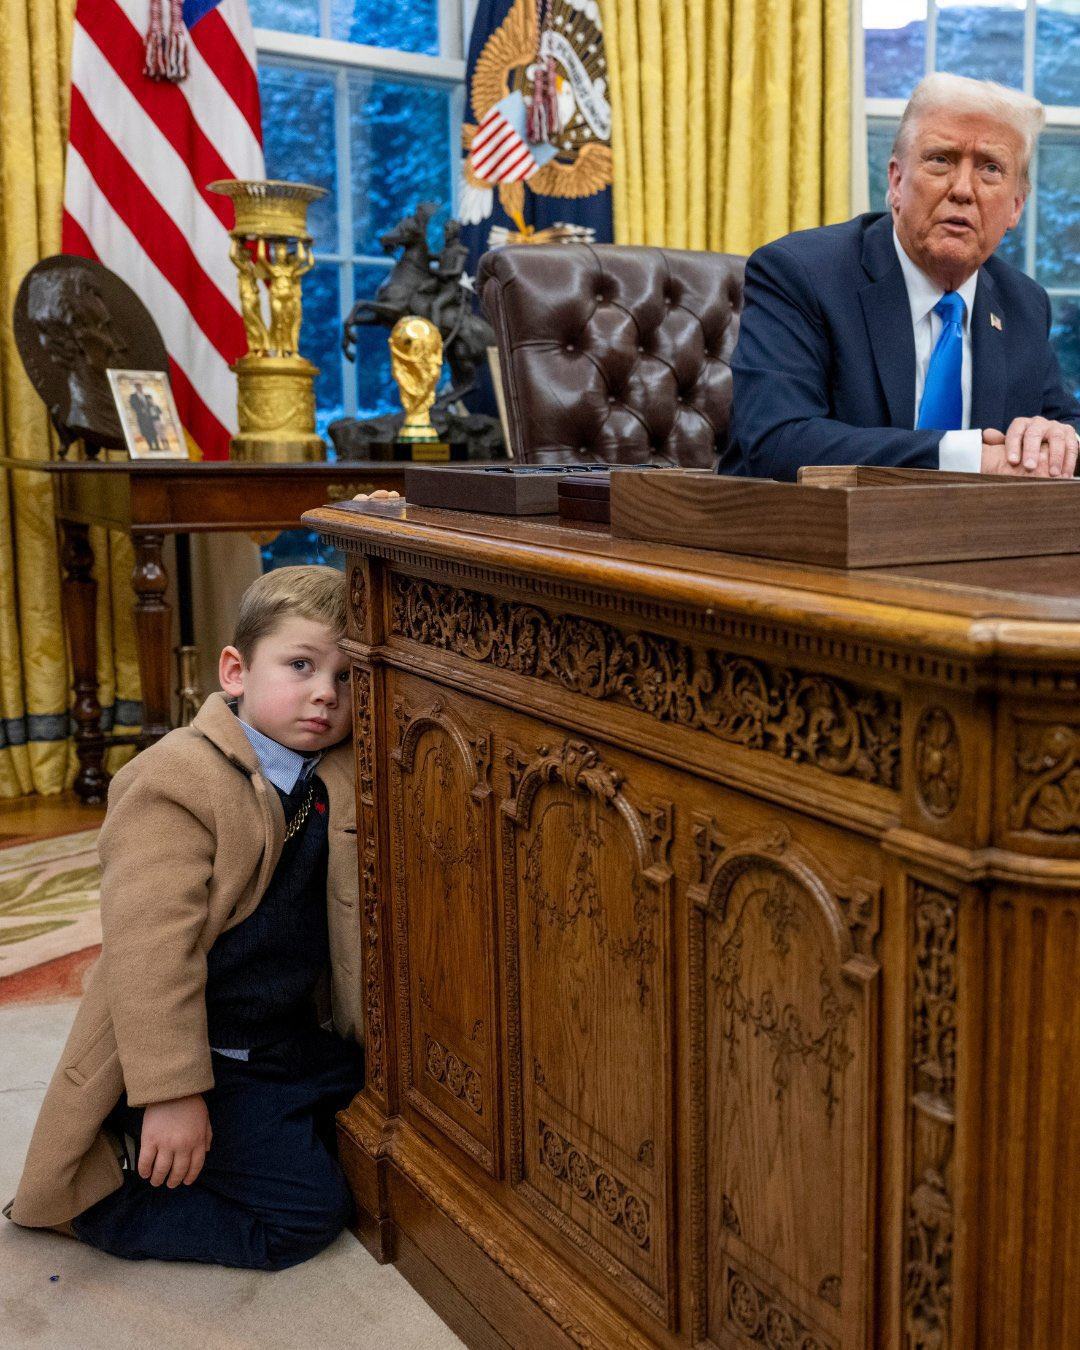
x=301 y=815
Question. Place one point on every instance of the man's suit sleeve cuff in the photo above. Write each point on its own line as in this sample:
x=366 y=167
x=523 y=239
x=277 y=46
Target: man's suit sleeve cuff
x=961 y=451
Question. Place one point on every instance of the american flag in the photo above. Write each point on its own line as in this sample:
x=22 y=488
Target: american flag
x=140 y=155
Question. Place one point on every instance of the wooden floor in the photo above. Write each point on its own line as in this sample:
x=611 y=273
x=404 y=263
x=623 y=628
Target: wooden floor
x=23 y=819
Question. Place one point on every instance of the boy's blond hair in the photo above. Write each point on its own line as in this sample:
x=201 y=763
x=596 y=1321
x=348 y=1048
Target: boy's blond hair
x=307 y=592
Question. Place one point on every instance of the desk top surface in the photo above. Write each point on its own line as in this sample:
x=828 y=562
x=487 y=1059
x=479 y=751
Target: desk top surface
x=1022 y=606
x=206 y=467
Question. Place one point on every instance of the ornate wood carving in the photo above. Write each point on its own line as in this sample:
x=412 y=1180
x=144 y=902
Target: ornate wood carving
x=929 y=1238
x=937 y=762
x=800 y=716
x=441 y=837
x=760 y=1317
x=781 y=1042
x=458 y=1077
x=358 y=597
x=370 y=907
x=1047 y=786
x=596 y=1185
x=585 y=880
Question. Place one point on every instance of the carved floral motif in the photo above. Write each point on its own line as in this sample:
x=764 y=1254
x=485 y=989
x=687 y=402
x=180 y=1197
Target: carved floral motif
x=370 y=909
x=1047 y=792
x=595 y=1184
x=800 y=716
x=358 y=596
x=761 y=1318
x=459 y=1078
x=783 y=1027
x=929 y=1232
x=937 y=762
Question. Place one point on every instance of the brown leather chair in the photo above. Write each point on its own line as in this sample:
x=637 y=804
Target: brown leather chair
x=614 y=354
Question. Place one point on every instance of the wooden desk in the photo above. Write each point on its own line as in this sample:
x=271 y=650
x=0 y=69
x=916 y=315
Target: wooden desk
x=720 y=929
x=149 y=501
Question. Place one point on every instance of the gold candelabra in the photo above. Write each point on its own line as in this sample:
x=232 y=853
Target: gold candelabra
x=271 y=250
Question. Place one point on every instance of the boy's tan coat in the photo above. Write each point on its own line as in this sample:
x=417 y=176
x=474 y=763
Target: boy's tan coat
x=191 y=839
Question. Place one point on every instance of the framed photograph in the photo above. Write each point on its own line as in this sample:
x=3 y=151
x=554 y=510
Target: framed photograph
x=152 y=426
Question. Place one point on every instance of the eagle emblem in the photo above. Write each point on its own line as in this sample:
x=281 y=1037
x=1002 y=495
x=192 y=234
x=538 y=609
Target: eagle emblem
x=556 y=48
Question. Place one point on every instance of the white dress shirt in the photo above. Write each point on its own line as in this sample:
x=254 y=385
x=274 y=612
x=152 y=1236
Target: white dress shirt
x=960 y=451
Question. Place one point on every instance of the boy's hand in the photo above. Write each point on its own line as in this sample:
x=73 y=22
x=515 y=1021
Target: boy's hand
x=380 y=495
x=175 y=1140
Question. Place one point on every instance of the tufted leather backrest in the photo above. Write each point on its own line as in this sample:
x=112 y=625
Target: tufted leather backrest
x=614 y=354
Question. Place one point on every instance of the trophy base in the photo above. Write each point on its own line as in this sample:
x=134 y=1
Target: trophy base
x=298 y=449
x=418 y=452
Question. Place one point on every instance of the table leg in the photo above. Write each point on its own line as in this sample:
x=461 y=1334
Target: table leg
x=153 y=629
x=79 y=594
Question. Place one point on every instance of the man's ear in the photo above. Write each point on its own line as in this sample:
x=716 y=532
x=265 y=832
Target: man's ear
x=231 y=672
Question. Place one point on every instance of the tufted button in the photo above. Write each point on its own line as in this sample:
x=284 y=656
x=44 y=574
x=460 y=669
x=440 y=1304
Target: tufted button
x=611 y=398
x=640 y=347
x=569 y=346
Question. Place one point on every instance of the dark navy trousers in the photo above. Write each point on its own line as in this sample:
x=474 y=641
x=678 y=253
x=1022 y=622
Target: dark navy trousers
x=271 y=1193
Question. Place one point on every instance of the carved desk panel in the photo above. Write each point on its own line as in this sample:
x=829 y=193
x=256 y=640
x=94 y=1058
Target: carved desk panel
x=720 y=929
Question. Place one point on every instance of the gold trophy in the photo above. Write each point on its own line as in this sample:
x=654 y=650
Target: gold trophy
x=276 y=393
x=416 y=352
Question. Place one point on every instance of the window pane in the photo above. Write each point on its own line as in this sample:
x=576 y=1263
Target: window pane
x=298 y=139
x=1057 y=40
x=401 y=155
x=411 y=28
x=983 y=39
x=1065 y=335
x=1058 y=236
x=320 y=340
x=879 y=138
x=288 y=16
x=895 y=44
x=376 y=391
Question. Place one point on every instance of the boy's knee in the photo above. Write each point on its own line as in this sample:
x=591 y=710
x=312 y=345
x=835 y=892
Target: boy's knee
x=308 y=1234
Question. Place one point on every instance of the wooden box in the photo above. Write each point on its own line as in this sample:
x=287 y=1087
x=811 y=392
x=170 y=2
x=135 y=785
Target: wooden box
x=504 y=490
x=852 y=516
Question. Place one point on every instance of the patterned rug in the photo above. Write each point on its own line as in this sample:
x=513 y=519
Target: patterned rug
x=50 y=928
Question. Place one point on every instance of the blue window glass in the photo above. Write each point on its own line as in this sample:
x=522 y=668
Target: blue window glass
x=879 y=139
x=983 y=39
x=376 y=392
x=1057 y=239
x=412 y=27
x=288 y=16
x=298 y=139
x=320 y=341
x=1057 y=40
x=401 y=155
x=1065 y=335
x=895 y=48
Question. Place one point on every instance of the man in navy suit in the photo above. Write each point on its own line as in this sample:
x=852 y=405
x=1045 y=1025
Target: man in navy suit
x=844 y=325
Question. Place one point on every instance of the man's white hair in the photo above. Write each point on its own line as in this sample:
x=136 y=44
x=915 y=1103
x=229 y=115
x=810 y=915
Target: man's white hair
x=958 y=94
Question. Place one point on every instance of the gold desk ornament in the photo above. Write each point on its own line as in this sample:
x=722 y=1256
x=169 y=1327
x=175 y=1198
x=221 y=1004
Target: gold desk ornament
x=416 y=352
x=275 y=384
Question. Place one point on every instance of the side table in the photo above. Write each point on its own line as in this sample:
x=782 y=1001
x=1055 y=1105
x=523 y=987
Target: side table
x=148 y=501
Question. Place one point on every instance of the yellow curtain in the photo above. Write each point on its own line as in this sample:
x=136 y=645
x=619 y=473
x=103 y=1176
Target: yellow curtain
x=35 y=753
x=730 y=119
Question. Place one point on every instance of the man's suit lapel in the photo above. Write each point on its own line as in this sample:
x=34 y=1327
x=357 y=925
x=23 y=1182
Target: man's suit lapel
x=988 y=364
x=887 y=313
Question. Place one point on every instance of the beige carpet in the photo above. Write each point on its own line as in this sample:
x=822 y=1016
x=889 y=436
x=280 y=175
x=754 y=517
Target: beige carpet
x=58 y=1295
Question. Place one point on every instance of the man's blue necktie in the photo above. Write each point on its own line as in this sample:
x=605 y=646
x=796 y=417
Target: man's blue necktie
x=942 y=407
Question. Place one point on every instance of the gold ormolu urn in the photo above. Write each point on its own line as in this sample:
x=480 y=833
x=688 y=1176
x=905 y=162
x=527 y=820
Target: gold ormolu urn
x=275 y=384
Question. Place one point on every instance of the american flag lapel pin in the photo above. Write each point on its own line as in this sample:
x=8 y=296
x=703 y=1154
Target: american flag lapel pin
x=995 y=322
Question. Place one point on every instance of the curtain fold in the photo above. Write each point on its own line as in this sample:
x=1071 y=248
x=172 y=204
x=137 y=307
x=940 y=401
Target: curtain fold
x=35 y=752
x=731 y=119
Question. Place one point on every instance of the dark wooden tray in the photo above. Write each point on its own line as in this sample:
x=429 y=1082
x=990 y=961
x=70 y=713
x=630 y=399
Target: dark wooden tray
x=852 y=517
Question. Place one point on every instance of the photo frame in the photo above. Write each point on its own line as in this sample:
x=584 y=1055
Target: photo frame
x=148 y=416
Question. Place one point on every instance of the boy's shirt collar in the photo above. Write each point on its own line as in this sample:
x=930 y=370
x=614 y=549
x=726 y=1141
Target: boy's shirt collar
x=284 y=768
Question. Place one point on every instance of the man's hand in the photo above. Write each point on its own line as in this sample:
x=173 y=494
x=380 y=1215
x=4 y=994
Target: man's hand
x=1032 y=447
x=175 y=1140
x=381 y=495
